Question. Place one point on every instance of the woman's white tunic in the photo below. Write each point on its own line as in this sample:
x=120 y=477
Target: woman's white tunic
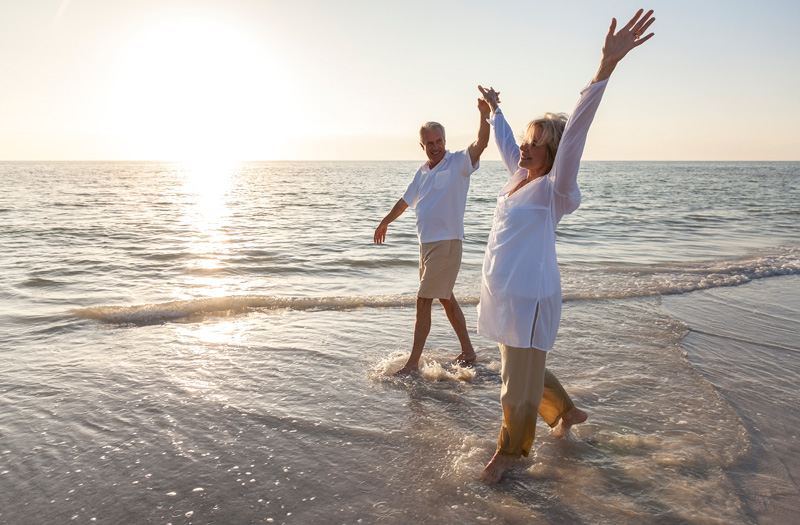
x=521 y=290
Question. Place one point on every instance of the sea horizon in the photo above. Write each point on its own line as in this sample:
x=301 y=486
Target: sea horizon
x=421 y=160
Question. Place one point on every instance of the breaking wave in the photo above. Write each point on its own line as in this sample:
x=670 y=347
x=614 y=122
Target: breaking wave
x=593 y=283
x=231 y=305
x=626 y=281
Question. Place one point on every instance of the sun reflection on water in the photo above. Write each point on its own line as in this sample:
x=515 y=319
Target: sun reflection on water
x=206 y=186
x=202 y=357
x=206 y=190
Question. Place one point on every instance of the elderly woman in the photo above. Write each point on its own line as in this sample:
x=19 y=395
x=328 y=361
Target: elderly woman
x=520 y=304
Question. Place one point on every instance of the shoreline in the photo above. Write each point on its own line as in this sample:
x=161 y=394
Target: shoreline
x=740 y=339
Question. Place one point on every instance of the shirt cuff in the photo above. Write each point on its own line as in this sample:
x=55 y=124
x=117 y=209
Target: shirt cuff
x=596 y=85
x=493 y=116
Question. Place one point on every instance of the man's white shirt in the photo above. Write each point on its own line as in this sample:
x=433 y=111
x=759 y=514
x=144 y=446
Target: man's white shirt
x=439 y=197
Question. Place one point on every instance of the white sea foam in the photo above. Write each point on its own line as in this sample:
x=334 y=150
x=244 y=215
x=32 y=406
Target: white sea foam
x=621 y=282
x=431 y=368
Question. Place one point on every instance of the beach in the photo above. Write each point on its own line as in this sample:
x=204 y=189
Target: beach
x=190 y=346
x=759 y=324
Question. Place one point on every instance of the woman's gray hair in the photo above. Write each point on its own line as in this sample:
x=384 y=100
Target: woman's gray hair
x=430 y=126
x=552 y=125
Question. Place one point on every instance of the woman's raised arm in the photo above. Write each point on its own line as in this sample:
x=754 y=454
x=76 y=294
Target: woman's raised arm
x=503 y=135
x=618 y=45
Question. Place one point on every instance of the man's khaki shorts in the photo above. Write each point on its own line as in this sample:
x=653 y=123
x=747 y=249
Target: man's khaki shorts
x=439 y=263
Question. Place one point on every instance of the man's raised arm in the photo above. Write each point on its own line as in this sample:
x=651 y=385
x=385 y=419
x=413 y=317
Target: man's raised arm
x=477 y=147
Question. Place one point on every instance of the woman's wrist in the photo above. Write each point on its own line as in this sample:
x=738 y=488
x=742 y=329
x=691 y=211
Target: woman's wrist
x=604 y=71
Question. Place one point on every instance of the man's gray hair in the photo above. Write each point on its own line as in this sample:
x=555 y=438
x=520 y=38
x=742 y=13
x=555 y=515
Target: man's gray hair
x=430 y=126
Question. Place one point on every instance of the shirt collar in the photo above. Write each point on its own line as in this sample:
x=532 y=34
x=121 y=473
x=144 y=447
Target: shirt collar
x=427 y=169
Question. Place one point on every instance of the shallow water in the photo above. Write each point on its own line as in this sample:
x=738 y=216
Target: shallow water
x=758 y=325
x=194 y=347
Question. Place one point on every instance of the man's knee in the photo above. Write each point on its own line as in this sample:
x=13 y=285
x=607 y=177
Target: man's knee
x=424 y=303
x=447 y=303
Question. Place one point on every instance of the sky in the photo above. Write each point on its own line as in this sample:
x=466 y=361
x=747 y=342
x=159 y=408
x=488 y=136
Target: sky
x=221 y=80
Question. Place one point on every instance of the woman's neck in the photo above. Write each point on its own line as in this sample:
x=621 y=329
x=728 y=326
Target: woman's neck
x=536 y=173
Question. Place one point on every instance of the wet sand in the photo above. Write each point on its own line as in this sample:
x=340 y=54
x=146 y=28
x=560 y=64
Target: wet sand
x=745 y=341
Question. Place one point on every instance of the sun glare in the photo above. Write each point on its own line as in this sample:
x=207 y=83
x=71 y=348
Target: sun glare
x=196 y=90
x=206 y=192
x=207 y=183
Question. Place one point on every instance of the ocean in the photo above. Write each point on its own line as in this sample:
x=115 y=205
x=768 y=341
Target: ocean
x=215 y=345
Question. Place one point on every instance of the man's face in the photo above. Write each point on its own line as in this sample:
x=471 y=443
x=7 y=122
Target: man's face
x=433 y=144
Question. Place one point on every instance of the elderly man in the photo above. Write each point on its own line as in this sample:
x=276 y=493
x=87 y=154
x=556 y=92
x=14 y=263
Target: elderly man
x=438 y=195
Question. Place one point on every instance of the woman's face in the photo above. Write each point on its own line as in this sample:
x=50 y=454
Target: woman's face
x=533 y=154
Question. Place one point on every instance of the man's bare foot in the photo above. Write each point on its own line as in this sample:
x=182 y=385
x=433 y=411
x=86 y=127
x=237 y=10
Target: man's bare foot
x=465 y=358
x=407 y=369
x=494 y=470
x=575 y=416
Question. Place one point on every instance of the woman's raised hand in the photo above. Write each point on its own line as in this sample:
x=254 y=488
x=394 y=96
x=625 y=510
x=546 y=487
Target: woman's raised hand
x=491 y=97
x=617 y=45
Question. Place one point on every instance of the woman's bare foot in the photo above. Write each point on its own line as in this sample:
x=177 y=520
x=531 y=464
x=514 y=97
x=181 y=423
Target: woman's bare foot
x=494 y=470
x=575 y=416
x=465 y=358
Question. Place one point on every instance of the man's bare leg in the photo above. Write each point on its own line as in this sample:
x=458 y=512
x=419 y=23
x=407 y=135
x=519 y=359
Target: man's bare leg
x=497 y=466
x=422 y=327
x=456 y=318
